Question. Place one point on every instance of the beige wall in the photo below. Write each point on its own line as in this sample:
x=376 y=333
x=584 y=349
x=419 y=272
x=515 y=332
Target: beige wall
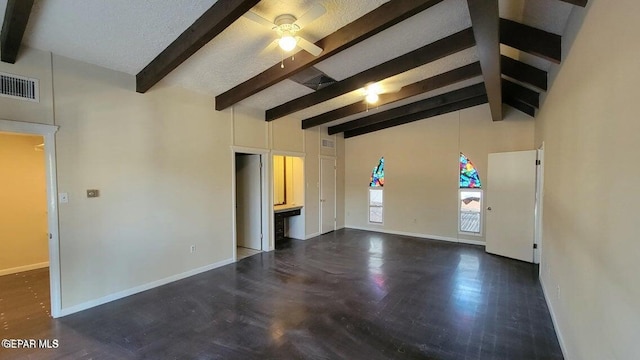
x=249 y=128
x=590 y=129
x=421 y=171
x=162 y=164
x=312 y=182
x=23 y=204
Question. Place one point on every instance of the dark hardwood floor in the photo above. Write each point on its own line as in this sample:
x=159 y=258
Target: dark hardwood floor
x=346 y=295
x=24 y=303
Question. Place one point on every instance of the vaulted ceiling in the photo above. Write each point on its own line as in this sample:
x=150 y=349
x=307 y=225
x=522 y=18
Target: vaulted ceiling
x=432 y=53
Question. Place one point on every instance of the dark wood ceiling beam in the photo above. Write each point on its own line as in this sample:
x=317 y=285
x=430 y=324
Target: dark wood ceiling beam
x=15 y=22
x=217 y=18
x=582 y=3
x=380 y=19
x=475 y=101
x=519 y=105
x=524 y=72
x=485 y=19
x=531 y=40
x=424 y=55
x=520 y=92
x=439 y=81
x=414 y=108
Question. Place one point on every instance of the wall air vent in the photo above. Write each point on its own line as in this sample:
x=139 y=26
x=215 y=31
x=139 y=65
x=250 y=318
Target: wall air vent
x=19 y=87
x=328 y=143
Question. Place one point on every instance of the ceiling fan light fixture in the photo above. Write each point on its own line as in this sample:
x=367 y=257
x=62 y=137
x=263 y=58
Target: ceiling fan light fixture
x=287 y=42
x=371 y=98
x=371 y=93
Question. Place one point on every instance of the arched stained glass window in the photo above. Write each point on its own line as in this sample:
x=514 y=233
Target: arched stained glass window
x=377 y=175
x=469 y=178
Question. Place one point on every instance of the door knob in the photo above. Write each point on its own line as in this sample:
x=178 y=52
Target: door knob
x=489 y=208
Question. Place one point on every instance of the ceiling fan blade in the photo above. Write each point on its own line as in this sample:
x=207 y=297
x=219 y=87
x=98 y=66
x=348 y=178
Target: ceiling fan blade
x=315 y=12
x=391 y=88
x=259 y=19
x=272 y=46
x=309 y=46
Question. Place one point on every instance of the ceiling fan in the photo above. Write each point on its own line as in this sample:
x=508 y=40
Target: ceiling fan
x=287 y=25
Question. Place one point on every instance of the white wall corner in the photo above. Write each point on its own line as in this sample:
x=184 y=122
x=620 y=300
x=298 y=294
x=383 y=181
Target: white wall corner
x=554 y=320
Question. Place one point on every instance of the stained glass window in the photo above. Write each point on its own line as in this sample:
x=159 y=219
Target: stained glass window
x=469 y=178
x=377 y=176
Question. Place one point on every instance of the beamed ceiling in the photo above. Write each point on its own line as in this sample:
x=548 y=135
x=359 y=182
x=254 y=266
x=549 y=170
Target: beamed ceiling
x=431 y=56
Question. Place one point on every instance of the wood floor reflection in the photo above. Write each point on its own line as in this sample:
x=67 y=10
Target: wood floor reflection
x=347 y=295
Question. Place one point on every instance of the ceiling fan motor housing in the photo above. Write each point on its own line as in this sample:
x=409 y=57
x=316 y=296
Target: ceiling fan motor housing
x=285 y=24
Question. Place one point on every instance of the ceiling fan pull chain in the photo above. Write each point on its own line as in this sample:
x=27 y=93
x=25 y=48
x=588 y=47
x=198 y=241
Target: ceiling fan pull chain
x=281 y=59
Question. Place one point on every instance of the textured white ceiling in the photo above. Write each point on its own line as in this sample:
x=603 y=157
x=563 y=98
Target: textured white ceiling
x=125 y=35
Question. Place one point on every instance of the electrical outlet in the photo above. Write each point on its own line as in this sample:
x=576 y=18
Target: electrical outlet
x=192 y=249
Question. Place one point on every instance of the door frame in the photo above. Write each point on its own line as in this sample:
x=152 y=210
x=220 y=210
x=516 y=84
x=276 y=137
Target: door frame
x=537 y=237
x=48 y=133
x=265 y=184
x=335 y=190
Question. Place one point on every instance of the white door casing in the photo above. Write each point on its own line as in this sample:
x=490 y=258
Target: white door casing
x=510 y=204
x=539 y=203
x=327 y=194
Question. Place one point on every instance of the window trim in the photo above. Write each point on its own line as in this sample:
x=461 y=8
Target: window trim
x=369 y=206
x=477 y=190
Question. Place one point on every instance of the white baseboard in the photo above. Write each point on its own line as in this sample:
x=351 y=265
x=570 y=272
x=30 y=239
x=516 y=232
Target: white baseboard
x=141 y=288
x=472 y=242
x=24 y=268
x=554 y=320
x=418 y=235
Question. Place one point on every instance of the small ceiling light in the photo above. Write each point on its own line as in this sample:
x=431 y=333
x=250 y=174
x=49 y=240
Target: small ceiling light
x=287 y=42
x=371 y=93
x=371 y=98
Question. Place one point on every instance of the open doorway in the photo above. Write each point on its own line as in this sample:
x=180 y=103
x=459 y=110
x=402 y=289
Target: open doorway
x=250 y=205
x=24 y=235
x=45 y=147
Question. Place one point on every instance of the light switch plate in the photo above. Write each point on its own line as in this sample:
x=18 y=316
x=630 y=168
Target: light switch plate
x=93 y=193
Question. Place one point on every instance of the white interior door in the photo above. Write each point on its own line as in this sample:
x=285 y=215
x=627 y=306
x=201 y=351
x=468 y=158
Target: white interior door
x=327 y=195
x=511 y=195
x=248 y=201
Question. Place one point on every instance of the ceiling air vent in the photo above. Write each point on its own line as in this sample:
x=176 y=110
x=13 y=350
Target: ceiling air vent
x=328 y=143
x=19 y=87
x=312 y=78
